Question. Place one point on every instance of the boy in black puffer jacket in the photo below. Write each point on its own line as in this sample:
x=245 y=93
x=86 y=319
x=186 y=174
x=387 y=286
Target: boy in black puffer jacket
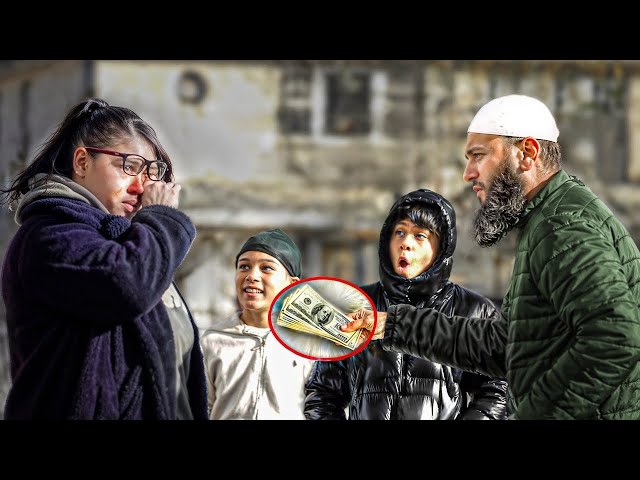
x=416 y=248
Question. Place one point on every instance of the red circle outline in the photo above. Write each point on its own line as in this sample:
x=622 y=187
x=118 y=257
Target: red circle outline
x=332 y=359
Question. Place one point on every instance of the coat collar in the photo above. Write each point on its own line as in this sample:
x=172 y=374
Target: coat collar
x=556 y=182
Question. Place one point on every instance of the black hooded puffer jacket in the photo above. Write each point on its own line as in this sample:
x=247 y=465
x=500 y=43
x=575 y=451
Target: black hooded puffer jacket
x=381 y=385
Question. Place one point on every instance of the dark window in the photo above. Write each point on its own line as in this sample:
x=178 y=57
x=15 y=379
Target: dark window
x=294 y=114
x=348 y=99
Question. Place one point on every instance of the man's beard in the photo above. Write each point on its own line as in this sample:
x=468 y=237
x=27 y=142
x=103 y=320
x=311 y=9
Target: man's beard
x=502 y=208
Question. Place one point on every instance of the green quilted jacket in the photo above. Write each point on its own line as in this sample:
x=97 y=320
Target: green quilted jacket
x=569 y=337
x=573 y=308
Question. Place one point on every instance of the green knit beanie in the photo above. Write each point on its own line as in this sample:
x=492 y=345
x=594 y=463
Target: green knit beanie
x=277 y=244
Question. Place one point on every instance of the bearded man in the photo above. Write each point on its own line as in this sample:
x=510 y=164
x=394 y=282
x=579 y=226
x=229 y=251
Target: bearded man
x=568 y=339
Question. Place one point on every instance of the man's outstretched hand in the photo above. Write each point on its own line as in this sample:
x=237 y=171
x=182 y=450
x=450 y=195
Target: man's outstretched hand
x=364 y=319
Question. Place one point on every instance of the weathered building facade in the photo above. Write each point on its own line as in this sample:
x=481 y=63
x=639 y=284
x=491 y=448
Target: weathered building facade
x=323 y=148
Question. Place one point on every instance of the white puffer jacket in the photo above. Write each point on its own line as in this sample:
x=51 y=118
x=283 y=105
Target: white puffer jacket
x=250 y=375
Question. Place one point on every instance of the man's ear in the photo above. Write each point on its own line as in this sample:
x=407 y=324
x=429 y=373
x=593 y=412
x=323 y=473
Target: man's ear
x=530 y=151
x=80 y=162
x=293 y=280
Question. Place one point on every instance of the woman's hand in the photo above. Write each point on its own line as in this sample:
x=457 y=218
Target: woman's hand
x=160 y=193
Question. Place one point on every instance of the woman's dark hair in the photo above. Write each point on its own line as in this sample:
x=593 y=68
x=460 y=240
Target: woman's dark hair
x=92 y=123
x=424 y=216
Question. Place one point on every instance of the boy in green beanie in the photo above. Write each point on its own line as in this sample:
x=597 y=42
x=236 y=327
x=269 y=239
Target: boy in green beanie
x=251 y=376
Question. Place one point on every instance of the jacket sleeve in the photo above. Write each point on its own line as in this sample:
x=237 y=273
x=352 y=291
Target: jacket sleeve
x=472 y=344
x=209 y=360
x=578 y=271
x=117 y=272
x=327 y=392
x=488 y=397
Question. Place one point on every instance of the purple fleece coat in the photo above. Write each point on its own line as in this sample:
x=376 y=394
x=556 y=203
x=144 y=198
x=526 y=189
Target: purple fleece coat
x=89 y=336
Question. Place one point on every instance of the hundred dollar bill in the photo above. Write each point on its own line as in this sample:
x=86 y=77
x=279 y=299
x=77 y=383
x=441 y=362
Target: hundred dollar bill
x=305 y=327
x=317 y=314
x=294 y=318
x=296 y=324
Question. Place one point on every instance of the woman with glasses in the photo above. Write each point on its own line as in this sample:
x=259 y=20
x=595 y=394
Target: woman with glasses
x=97 y=328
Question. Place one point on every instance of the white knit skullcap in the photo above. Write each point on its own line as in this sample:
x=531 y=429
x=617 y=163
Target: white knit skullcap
x=515 y=116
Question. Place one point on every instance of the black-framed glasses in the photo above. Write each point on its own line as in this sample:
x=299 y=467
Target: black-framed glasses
x=133 y=164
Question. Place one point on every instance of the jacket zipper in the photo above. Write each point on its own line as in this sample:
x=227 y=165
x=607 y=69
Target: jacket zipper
x=260 y=386
x=262 y=342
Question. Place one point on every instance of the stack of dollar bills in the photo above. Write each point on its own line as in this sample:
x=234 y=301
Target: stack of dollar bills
x=305 y=310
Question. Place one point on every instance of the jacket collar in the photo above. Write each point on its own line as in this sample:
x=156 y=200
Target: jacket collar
x=55 y=186
x=556 y=182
